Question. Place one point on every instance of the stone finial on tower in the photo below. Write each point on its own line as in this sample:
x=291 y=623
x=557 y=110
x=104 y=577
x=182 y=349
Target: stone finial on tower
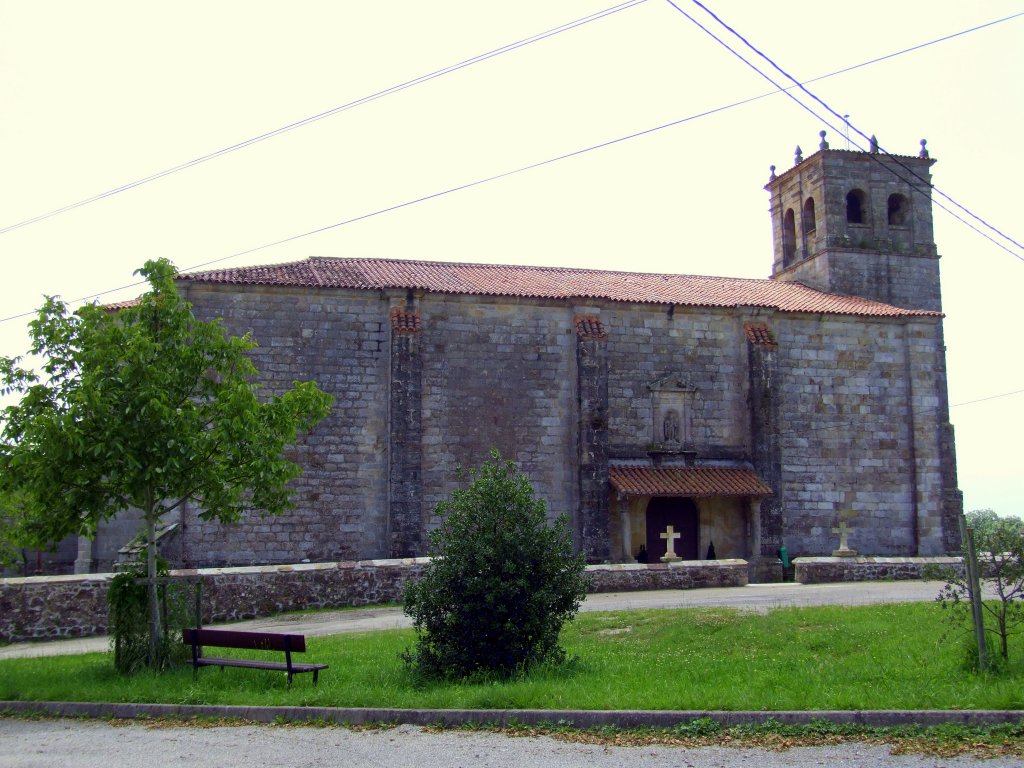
x=924 y=149
x=798 y=155
x=824 y=144
x=873 y=147
x=772 y=177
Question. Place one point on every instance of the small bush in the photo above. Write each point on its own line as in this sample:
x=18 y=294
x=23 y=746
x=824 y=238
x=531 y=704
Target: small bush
x=501 y=584
x=999 y=542
x=128 y=616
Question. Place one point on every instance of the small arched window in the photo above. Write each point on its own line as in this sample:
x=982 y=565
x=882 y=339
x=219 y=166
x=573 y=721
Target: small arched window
x=808 y=217
x=855 y=207
x=899 y=208
x=788 y=238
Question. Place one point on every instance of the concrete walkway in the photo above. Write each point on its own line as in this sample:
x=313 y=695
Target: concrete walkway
x=754 y=597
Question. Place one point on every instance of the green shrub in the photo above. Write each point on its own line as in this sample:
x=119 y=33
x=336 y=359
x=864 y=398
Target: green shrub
x=999 y=542
x=128 y=614
x=501 y=583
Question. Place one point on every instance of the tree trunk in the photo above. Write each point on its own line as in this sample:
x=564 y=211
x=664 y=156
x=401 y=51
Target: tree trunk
x=1003 y=634
x=154 y=607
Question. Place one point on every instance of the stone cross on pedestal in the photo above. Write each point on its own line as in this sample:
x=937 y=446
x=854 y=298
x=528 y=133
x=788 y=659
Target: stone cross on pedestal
x=844 y=550
x=670 y=536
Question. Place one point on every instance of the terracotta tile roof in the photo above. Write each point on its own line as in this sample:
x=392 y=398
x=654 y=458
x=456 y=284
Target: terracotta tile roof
x=687 y=481
x=760 y=335
x=117 y=306
x=550 y=283
x=590 y=327
x=405 y=321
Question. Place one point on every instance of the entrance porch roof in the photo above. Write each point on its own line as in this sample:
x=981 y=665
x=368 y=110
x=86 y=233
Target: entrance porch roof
x=687 y=481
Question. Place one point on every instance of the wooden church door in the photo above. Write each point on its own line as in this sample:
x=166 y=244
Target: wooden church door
x=682 y=515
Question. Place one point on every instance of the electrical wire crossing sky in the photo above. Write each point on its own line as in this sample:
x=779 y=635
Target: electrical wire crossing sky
x=573 y=140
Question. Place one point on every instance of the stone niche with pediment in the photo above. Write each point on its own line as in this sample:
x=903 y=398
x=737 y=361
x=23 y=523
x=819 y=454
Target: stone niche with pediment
x=672 y=413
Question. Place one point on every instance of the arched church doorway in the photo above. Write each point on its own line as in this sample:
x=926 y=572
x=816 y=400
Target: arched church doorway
x=681 y=514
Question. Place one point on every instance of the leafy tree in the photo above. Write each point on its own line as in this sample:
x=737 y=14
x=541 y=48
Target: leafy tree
x=986 y=523
x=147 y=408
x=999 y=542
x=17 y=534
x=501 y=582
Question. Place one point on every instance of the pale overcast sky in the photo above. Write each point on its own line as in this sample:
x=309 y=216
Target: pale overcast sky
x=96 y=95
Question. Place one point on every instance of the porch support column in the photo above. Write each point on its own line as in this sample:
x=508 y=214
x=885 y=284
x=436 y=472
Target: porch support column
x=626 y=525
x=84 y=561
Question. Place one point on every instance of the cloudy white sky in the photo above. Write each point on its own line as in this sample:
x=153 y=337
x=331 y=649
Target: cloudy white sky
x=94 y=96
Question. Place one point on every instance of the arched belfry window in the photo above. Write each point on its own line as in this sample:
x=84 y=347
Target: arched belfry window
x=899 y=209
x=808 y=218
x=788 y=238
x=855 y=199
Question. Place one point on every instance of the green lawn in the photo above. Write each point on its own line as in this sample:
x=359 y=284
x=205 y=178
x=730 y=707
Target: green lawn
x=874 y=657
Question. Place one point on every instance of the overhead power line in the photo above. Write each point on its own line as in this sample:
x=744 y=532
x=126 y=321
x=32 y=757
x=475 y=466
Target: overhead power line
x=844 y=420
x=321 y=115
x=524 y=168
x=990 y=397
x=841 y=117
x=894 y=158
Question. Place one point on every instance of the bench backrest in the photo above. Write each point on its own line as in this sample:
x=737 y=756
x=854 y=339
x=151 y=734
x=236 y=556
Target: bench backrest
x=227 y=638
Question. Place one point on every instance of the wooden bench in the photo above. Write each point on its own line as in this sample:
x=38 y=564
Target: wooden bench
x=262 y=641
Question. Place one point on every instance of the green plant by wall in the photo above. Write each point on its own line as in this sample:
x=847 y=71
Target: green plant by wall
x=1000 y=545
x=128 y=615
x=501 y=583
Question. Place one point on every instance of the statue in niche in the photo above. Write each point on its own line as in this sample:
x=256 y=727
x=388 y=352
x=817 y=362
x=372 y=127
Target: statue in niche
x=670 y=427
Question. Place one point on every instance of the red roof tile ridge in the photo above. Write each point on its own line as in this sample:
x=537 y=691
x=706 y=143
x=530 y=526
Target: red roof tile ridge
x=517 y=267
x=194 y=274
x=551 y=282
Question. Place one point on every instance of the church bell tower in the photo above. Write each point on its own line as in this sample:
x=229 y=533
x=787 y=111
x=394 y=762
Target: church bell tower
x=859 y=224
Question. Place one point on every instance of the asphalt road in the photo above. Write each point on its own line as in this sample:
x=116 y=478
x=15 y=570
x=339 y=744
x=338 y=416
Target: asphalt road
x=754 y=597
x=90 y=744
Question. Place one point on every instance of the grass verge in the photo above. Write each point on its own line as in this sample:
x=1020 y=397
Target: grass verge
x=872 y=657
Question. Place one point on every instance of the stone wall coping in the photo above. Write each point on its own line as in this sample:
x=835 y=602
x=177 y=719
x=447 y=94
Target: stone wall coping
x=409 y=561
x=232 y=571
x=353 y=564
x=728 y=563
x=69 y=578
x=941 y=560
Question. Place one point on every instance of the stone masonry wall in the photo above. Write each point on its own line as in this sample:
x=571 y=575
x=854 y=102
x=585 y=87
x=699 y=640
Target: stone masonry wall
x=482 y=373
x=845 y=434
x=50 y=607
x=706 y=348
x=821 y=570
x=338 y=339
x=889 y=261
x=592 y=532
x=933 y=459
x=405 y=444
x=499 y=374
x=766 y=443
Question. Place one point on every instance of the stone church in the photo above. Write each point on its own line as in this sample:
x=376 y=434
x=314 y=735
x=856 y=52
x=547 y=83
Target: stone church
x=748 y=414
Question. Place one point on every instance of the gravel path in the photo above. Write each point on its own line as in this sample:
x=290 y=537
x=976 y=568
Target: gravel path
x=86 y=744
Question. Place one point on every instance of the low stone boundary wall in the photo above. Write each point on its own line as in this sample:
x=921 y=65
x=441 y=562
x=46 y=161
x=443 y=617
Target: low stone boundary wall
x=820 y=570
x=51 y=607
x=685 y=574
